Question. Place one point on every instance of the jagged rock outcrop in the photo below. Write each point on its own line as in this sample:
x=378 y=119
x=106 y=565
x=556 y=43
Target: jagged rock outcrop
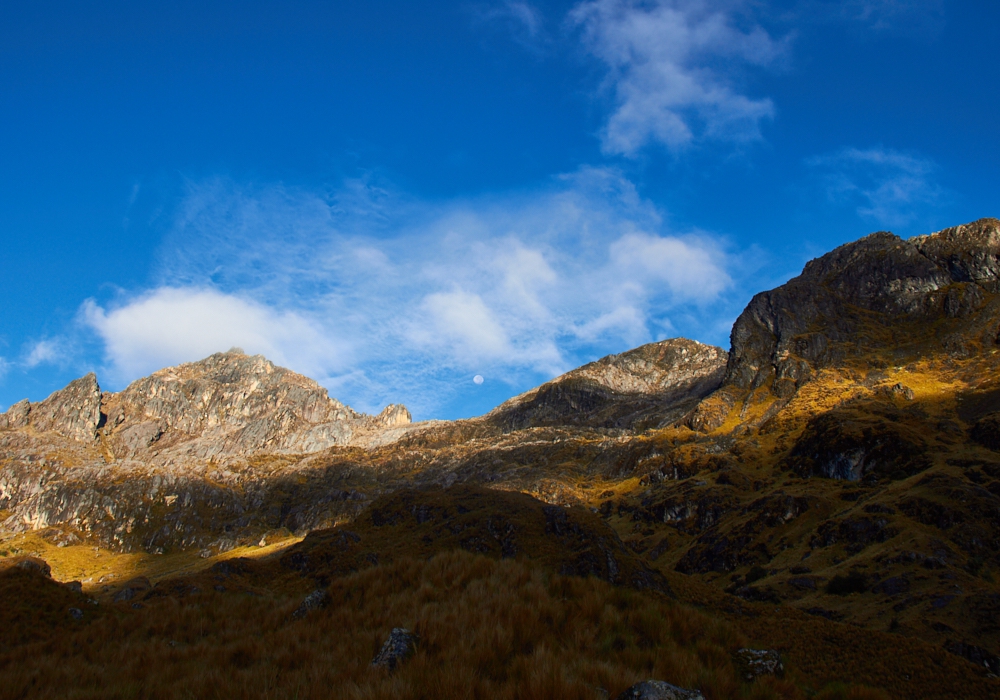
x=659 y=690
x=232 y=403
x=164 y=463
x=863 y=296
x=401 y=644
x=74 y=412
x=648 y=387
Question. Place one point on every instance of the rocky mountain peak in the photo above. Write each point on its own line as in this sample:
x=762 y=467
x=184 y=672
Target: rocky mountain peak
x=878 y=292
x=647 y=387
x=228 y=403
x=225 y=391
x=231 y=403
x=74 y=411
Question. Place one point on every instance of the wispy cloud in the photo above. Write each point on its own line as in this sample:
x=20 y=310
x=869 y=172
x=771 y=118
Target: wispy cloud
x=42 y=352
x=522 y=21
x=384 y=298
x=894 y=16
x=169 y=325
x=524 y=14
x=672 y=68
x=884 y=185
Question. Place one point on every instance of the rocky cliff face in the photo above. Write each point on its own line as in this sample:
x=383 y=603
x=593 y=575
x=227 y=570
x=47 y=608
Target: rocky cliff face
x=849 y=435
x=167 y=461
x=229 y=403
x=73 y=412
x=878 y=295
x=649 y=387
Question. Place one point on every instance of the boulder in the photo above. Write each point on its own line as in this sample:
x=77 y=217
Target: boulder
x=659 y=690
x=314 y=601
x=131 y=588
x=754 y=663
x=35 y=565
x=400 y=645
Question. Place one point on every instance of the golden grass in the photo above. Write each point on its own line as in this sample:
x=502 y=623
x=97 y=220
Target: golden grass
x=89 y=564
x=487 y=628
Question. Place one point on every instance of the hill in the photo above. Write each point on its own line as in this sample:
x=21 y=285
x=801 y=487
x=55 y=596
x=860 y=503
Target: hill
x=838 y=467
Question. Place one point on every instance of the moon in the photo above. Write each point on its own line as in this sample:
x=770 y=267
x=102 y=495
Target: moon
x=478 y=379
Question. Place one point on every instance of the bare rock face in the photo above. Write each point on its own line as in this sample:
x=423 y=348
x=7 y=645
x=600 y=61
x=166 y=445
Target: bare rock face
x=393 y=415
x=16 y=416
x=659 y=690
x=401 y=644
x=874 y=293
x=648 y=387
x=232 y=403
x=73 y=412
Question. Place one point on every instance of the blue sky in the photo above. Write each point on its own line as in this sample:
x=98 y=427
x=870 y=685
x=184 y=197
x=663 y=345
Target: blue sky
x=392 y=197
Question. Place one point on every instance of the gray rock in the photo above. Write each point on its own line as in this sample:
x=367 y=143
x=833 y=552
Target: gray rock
x=34 y=565
x=401 y=644
x=392 y=415
x=131 y=588
x=17 y=415
x=648 y=387
x=755 y=663
x=787 y=333
x=659 y=690
x=314 y=601
x=76 y=613
x=74 y=411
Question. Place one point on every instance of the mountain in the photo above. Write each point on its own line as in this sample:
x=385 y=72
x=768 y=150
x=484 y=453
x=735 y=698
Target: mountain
x=650 y=387
x=839 y=464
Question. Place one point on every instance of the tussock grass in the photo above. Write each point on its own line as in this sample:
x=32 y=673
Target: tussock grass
x=487 y=628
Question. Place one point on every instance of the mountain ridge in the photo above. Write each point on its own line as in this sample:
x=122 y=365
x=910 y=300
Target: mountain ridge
x=850 y=435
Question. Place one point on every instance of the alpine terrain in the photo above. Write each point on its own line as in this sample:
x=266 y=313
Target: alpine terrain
x=814 y=513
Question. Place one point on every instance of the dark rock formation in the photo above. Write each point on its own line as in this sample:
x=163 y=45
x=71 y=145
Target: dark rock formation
x=844 y=445
x=401 y=644
x=649 y=387
x=754 y=663
x=864 y=296
x=131 y=588
x=34 y=565
x=986 y=431
x=659 y=690
x=314 y=601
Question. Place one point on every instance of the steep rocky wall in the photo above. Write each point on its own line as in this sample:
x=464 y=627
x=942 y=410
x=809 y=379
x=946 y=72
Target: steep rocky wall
x=647 y=387
x=73 y=412
x=876 y=293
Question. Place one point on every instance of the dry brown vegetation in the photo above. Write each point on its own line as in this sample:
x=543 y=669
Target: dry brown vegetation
x=487 y=628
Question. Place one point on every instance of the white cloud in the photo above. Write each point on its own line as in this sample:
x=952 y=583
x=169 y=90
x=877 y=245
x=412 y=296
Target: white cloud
x=670 y=66
x=384 y=298
x=687 y=266
x=886 y=186
x=43 y=351
x=465 y=323
x=172 y=325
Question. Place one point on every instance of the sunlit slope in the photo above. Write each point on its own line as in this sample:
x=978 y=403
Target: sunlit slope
x=839 y=466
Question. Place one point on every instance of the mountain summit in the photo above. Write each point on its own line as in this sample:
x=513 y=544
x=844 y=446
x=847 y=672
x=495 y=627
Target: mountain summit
x=842 y=460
